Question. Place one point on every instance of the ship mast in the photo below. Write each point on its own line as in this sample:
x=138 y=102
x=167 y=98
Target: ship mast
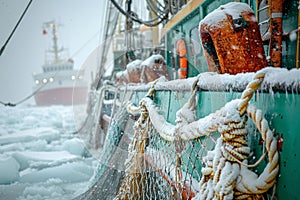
x=55 y=47
x=53 y=26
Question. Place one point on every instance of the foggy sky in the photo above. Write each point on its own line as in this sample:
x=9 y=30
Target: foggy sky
x=24 y=54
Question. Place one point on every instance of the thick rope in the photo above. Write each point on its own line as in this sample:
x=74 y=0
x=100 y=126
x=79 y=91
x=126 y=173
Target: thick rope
x=184 y=116
x=267 y=178
x=225 y=173
x=249 y=91
x=221 y=170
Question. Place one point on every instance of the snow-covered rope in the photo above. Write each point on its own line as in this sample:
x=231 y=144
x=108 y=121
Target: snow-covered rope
x=224 y=175
x=227 y=163
x=249 y=91
x=184 y=116
x=263 y=182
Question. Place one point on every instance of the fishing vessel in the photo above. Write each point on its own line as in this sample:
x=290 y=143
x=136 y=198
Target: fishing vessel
x=59 y=83
x=219 y=123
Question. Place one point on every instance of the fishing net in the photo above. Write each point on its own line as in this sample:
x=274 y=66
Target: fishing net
x=148 y=158
x=205 y=158
x=174 y=167
x=155 y=175
x=160 y=169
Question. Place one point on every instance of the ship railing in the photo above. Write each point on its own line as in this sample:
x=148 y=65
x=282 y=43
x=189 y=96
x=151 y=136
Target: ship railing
x=159 y=166
x=110 y=99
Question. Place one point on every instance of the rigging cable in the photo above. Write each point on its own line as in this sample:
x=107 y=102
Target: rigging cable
x=159 y=13
x=13 y=31
x=26 y=98
x=133 y=16
x=154 y=7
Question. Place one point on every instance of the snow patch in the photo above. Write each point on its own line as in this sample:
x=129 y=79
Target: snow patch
x=134 y=65
x=220 y=14
x=151 y=60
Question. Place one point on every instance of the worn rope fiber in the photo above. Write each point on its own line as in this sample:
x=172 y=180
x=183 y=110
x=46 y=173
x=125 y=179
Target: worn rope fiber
x=226 y=165
x=223 y=173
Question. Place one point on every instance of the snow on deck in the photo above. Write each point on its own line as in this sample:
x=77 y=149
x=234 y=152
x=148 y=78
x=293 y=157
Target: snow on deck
x=276 y=79
x=151 y=60
x=134 y=65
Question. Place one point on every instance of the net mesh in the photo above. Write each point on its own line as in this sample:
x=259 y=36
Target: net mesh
x=165 y=164
x=166 y=170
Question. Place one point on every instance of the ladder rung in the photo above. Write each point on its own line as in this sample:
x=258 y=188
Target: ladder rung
x=263 y=8
x=264 y=22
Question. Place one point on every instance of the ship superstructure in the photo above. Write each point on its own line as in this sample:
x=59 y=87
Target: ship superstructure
x=59 y=83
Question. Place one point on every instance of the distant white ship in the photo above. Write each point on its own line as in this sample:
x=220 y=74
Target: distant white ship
x=59 y=83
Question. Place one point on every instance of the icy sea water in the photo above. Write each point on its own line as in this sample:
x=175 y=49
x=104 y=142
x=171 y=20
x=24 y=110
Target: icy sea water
x=40 y=157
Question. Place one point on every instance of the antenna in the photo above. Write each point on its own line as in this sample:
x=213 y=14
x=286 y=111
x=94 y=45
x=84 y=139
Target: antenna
x=53 y=26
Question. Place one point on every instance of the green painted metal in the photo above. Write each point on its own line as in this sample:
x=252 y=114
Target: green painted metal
x=282 y=111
